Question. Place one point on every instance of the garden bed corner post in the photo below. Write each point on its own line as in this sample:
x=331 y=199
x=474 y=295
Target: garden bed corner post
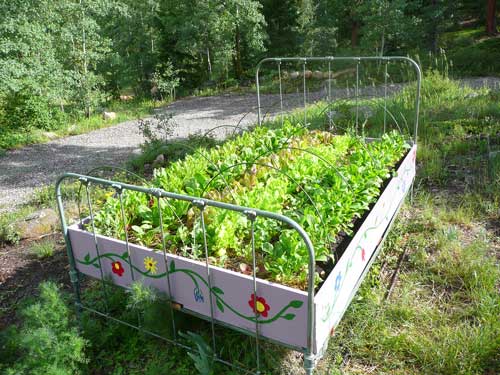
x=73 y=272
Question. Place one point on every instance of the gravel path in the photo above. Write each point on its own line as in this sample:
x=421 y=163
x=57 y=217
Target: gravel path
x=28 y=168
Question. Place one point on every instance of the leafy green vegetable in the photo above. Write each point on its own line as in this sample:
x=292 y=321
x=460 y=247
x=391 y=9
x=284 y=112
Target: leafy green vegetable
x=322 y=181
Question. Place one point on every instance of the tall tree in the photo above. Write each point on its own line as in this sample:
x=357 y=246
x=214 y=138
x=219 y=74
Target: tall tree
x=211 y=37
x=28 y=53
x=282 y=18
x=491 y=17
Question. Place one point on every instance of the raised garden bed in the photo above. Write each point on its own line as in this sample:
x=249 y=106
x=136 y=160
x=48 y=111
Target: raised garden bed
x=342 y=190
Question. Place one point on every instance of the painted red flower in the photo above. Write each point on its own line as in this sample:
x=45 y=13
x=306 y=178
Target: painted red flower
x=363 y=254
x=259 y=305
x=117 y=268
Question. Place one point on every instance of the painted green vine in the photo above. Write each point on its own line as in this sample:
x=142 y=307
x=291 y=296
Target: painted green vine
x=359 y=249
x=194 y=276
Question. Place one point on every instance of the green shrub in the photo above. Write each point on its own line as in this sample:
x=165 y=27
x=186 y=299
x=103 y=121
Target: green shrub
x=43 y=249
x=24 y=110
x=47 y=343
x=9 y=234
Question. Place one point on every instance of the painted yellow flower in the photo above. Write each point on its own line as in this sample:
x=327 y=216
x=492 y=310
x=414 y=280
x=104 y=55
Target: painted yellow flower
x=150 y=265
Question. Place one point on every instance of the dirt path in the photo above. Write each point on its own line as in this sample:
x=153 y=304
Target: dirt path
x=28 y=168
x=24 y=170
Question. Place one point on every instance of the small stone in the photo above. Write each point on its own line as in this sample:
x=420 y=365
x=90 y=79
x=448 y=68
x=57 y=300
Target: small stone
x=159 y=161
x=308 y=74
x=37 y=224
x=472 y=95
x=294 y=75
x=72 y=129
x=108 y=115
x=317 y=74
x=50 y=135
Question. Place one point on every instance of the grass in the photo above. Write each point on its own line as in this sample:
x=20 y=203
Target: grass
x=125 y=110
x=472 y=52
x=43 y=249
x=442 y=316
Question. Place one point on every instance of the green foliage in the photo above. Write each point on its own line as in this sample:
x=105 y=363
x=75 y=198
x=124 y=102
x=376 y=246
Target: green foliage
x=217 y=39
x=203 y=357
x=43 y=249
x=140 y=296
x=165 y=79
x=451 y=329
x=26 y=111
x=288 y=170
x=94 y=50
x=8 y=232
x=156 y=131
x=11 y=137
x=47 y=342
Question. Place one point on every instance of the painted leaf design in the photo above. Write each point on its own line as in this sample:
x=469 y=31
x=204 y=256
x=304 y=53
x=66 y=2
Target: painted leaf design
x=124 y=255
x=289 y=316
x=172 y=267
x=220 y=306
x=87 y=258
x=217 y=290
x=296 y=304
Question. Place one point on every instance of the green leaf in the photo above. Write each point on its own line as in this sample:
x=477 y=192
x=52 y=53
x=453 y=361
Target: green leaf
x=321 y=258
x=219 y=305
x=296 y=304
x=289 y=316
x=137 y=229
x=217 y=290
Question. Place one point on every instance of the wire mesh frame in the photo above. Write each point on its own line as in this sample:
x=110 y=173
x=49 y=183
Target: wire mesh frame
x=330 y=60
x=251 y=213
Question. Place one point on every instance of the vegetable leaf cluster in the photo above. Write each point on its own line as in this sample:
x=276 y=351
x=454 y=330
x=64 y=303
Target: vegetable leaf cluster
x=323 y=181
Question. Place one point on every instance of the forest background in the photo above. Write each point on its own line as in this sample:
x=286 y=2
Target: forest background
x=62 y=61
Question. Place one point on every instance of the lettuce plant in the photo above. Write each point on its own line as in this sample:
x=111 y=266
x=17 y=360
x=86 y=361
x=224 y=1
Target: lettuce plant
x=322 y=181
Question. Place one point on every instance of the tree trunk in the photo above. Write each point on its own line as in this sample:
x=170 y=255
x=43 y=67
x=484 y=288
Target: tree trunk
x=238 y=70
x=382 y=44
x=209 y=64
x=491 y=17
x=86 y=98
x=434 y=30
x=354 y=33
